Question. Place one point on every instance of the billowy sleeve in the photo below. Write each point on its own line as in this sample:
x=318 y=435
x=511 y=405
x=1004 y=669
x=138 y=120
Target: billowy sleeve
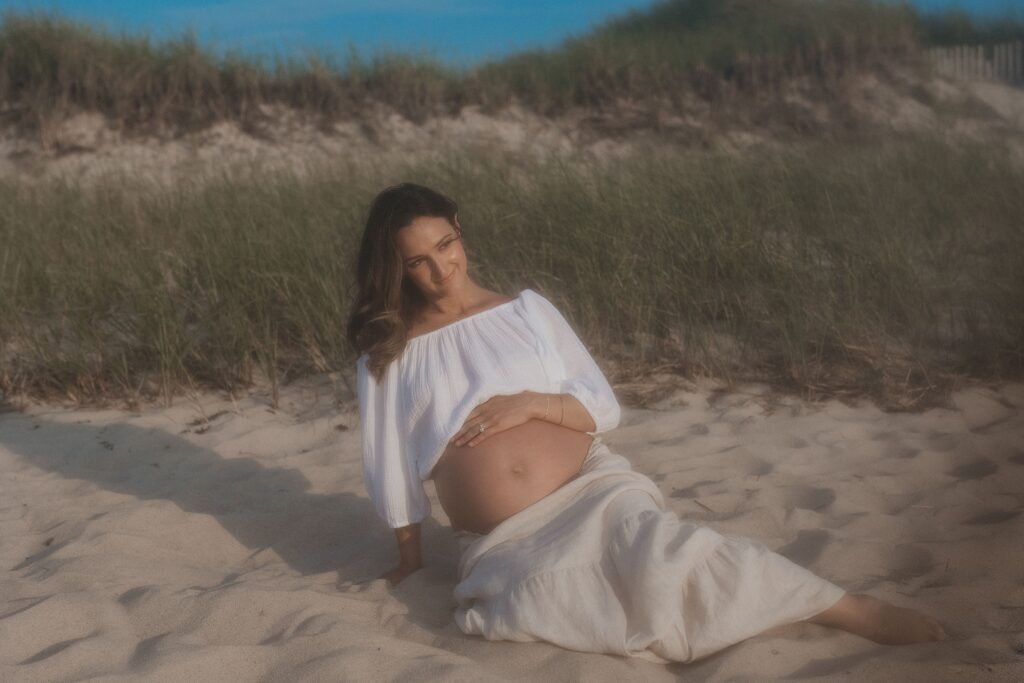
x=390 y=479
x=576 y=370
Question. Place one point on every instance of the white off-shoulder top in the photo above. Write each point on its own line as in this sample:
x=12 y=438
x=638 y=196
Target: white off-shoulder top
x=425 y=395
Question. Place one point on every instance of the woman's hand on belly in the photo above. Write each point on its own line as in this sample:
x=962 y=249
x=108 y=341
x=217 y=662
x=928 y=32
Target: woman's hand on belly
x=497 y=414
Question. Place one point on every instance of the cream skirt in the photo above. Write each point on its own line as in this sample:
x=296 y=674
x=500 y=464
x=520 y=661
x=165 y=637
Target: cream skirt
x=601 y=565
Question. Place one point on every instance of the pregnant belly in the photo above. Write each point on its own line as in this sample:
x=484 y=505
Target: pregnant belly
x=481 y=486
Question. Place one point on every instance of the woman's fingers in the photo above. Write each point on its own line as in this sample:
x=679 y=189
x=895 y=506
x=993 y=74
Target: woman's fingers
x=475 y=416
x=477 y=440
x=471 y=435
x=480 y=437
x=470 y=428
x=495 y=413
x=469 y=424
x=499 y=424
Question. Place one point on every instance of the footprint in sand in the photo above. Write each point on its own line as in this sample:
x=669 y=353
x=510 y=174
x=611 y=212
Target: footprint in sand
x=978 y=469
x=691 y=490
x=671 y=441
x=54 y=649
x=994 y=517
x=134 y=594
x=910 y=561
x=806 y=548
x=809 y=498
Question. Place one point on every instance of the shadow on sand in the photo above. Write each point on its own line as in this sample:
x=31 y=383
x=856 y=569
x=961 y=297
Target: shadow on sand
x=263 y=508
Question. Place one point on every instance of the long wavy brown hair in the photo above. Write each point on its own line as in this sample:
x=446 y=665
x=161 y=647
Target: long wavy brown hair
x=385 y=301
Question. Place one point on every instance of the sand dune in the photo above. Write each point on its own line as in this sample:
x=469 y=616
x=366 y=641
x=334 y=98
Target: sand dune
x=155 y=546
x=86 y=147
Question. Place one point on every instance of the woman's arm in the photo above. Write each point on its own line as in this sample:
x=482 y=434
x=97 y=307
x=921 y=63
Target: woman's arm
x=410 y=560
x=568 y=360
x=563 y=409
x=506 y=411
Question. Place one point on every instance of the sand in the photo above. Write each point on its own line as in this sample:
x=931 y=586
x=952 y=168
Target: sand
x=217 y=540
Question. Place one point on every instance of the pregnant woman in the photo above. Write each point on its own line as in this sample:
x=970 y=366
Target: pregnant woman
x=499 y=402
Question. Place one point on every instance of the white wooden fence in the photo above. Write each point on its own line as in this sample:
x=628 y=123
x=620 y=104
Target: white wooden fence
x=1004 y=62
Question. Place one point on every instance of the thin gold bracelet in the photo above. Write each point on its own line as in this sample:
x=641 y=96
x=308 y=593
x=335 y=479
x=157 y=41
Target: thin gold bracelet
x=561 y=404
x=547 y=404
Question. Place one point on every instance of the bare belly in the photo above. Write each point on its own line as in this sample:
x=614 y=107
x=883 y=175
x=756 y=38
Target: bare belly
x=481 y=486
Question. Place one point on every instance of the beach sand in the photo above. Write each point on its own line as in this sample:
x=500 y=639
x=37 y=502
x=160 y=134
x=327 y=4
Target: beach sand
x=159 y=545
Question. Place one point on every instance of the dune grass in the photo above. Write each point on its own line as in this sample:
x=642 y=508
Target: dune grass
x=51 y=67
x=886 y=270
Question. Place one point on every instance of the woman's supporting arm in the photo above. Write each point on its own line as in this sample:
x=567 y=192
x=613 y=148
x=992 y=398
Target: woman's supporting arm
x=410 y=559
x=389 y=476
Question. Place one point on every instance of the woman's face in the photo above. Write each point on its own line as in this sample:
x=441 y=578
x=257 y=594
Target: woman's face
x=432 y=255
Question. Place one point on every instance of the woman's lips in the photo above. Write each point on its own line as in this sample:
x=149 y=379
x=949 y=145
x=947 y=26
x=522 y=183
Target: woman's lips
x=450 y=275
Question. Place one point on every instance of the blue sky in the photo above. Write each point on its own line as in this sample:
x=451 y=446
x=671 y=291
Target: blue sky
x=458 y=32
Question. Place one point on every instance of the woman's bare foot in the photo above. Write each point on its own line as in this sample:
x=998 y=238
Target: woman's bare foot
x=880 y=621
